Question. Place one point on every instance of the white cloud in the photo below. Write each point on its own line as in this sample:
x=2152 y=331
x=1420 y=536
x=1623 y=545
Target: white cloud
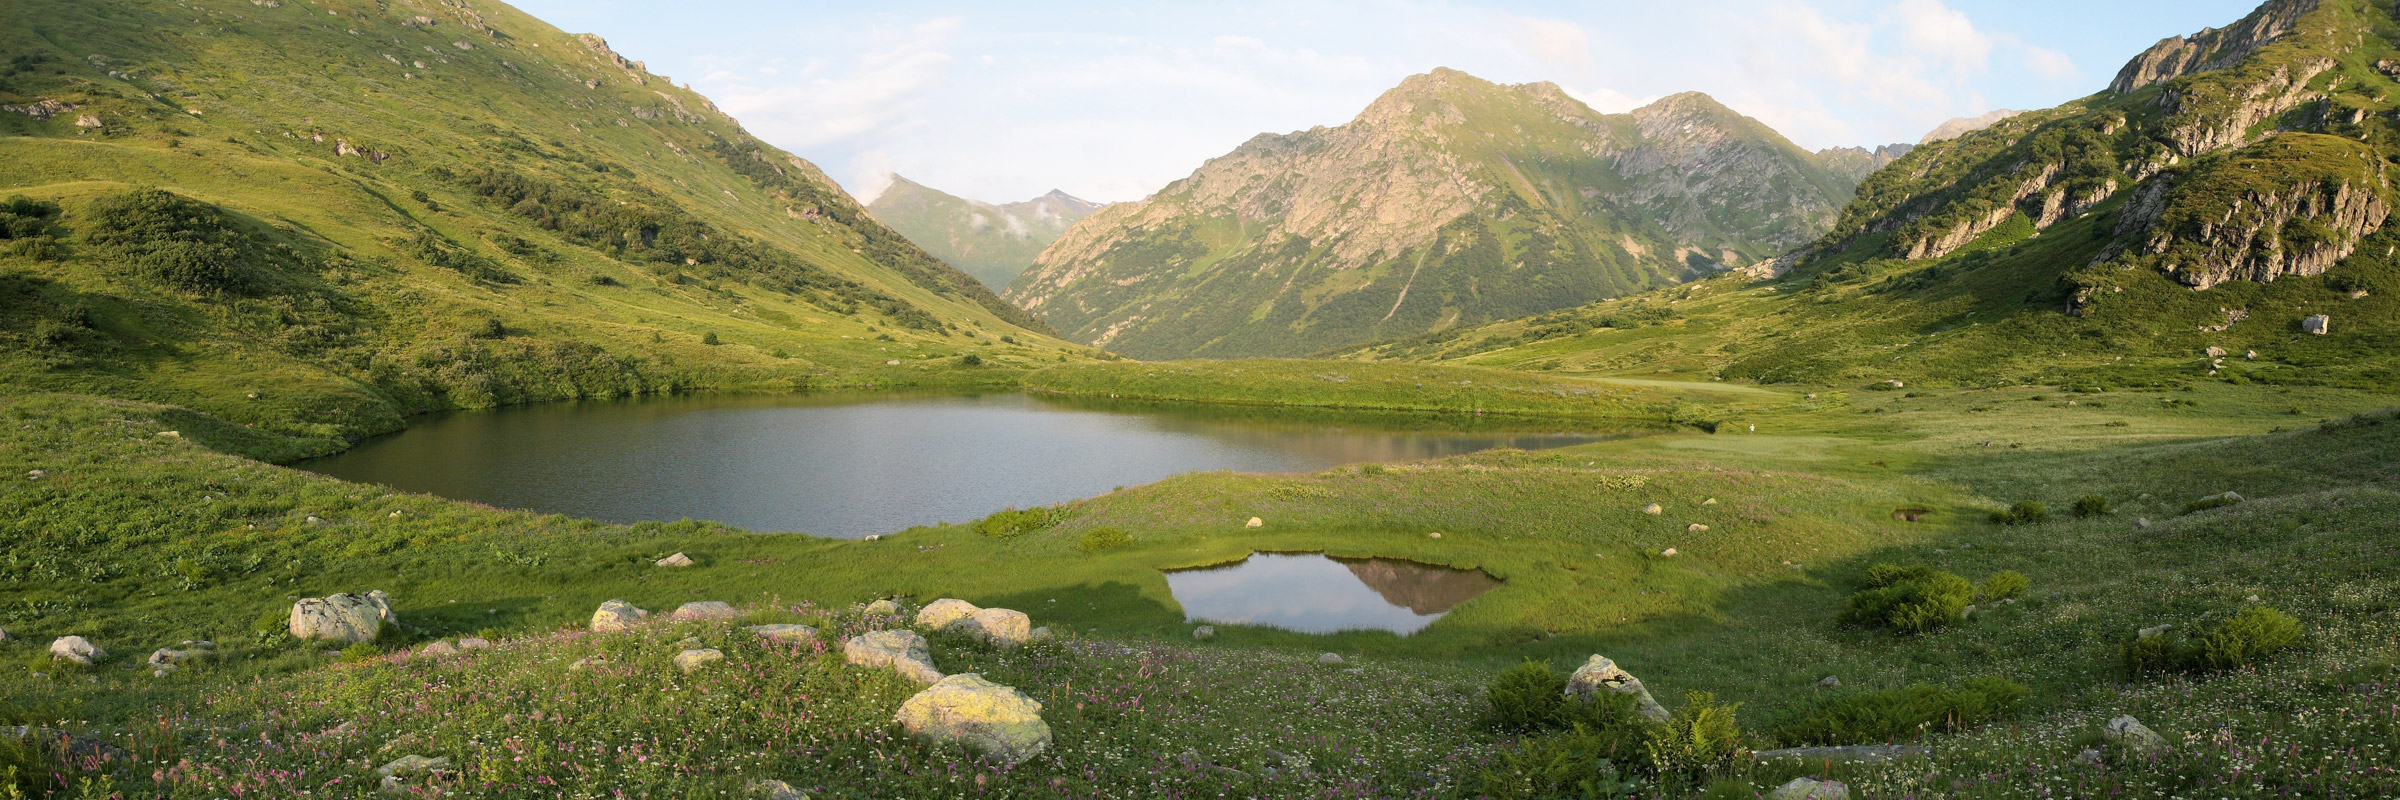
x=2049 y=63
x=875 y=169
x=879 y=93
x=1942 y=33
x=1554 y=43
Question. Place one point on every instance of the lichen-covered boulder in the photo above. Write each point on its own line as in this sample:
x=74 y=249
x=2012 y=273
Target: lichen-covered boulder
x=883 y=608
x=1600 y=674
x=676 y=560
x=998 y=626
x=2134 y=736
x=616 y=615
x=691 y=661
x=784 y=634
x=1810 y=789
x=771 y=789
x=1204 y=632
x=940 y=613
x=903 y=652
x=703 y=609
x=343 y=617
x=77 y=650
x=986 y=717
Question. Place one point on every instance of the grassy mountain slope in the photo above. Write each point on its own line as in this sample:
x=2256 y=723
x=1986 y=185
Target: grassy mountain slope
x=994 y=243
x=2110 y=241
x=1449 y=201
x=329 y=215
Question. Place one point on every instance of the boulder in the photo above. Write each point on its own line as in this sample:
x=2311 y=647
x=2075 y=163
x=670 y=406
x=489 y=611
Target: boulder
x=438 y=649
x=1695 y=528
x=883 y=608
x=676 y=560
x=998 y=626
x=1829 y=682
x=1204 y=632
x=2320 y=325
x=1254 y=523
x=1810 y=789
x=408 y=766
x=1600 y=674
x=2215 y=352
x=2135 y=737
x=1653 y=509
x=940 y=613
x=170 y=657
x=784 y=634
x=771 y=789
x=473 y=643
x=1041 y=634
x=1330 y=659
x=703 y=609
x=77 y=650
x=986 y=717
x=616 y=615
x=901 y=651
x=343 y=617
x=691 y=661
x=1669 y=552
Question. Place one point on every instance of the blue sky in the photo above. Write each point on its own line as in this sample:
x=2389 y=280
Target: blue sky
x=1111 y=101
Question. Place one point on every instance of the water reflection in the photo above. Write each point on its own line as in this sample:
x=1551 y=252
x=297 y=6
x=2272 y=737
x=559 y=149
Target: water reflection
x=852 y=466
x=1312 y=593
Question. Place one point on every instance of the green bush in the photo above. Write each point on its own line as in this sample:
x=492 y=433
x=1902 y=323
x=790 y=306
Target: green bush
x=709 y=338
x=1572 y=747
x=2002 y=585
x=1526 y=698
x=183 y=243
x=2025 y=513
x=1012 y=523
x=1577 y=764
x=2091 y=505
x=2241 y=640
x=358 y=653
x=1909 y=599
x=1875 y=717
x=970 y=360
x=1098 y=539
x=25 y=218
x=1703 y=738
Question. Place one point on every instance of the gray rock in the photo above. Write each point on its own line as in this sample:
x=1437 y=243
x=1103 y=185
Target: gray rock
x=940 y=613
x=1829 y=682
x=676 y=560
x=2135 y=737
x=1042 y=634
x=1600 y=674
x=2090 y=757
x=410 y=766
x=772 y=789
x=1255 y=523
x=998 y=626
x=703 y=609
x=170 y=657
x=437 y=649
x=2154 y=630
x=473 y=643
x=2216 y=352
x=691 y=661
x=1329 y=659
x=341 y=618
x=1204 y=632
x=883 y=608
x=986 y=717
x=2320 y=325
x=785 y=634
x=1653 y=509
x=77 y=650
x=616 y=615
x=903 y=652
x=1810 y=789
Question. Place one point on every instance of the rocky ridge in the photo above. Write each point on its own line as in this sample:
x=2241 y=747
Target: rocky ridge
x=993 y=242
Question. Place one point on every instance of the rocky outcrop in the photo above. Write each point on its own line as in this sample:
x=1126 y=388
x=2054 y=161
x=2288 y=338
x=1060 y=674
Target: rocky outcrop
x=2133 y=736
x=941 y=613
x=2202 y=120
x=1961 y=126
x=1602 y=675
x=1810 y=789
x=2211 y=49
x=76 y=650
x=2317 y=324
x=2294 y=205
x=703 y=609
x=676 y=560
x=1854 y=164
x=785 y=634
x=341 y=618
x=983 y=716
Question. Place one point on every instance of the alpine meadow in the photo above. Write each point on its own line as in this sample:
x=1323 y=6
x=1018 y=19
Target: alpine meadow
x=410 y=398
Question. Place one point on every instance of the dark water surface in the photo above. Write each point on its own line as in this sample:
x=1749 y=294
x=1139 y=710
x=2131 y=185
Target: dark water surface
x=853 y=466
x=1311 y=593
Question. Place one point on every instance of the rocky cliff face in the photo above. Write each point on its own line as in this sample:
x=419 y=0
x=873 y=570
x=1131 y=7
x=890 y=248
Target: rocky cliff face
x=1962 y=126
x=2181 y=122
x=2212 y=49
x=1448 y=199
x=1854 y=164
x=992 y=242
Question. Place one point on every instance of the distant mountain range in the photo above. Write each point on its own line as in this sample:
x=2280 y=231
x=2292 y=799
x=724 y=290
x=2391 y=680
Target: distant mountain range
x=991 y=242
x=1449 y=201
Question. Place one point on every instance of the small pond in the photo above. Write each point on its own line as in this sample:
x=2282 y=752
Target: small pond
x=1314 y=593
x=853 y=466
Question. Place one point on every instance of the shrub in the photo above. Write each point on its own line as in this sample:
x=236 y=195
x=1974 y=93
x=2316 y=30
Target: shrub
x=1013 y=523
x=1579 y=764
x=359 y=653
x=1703 y=738
x=1898 y=713
x=2091 y=505
x=2241 y=640
x=1909 y=599
x=2002 y=585
x=970 y=360
x=2025 y=513
x=1098 y=539
x=25 y=218
x=1527 y=698
x=183 y=243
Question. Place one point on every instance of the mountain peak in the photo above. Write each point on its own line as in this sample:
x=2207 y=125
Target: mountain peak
x=2211 y=48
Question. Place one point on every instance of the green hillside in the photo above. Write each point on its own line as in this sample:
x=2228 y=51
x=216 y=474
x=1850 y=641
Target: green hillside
x=1450 y=201
x=323 y=217
x=994 y=243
